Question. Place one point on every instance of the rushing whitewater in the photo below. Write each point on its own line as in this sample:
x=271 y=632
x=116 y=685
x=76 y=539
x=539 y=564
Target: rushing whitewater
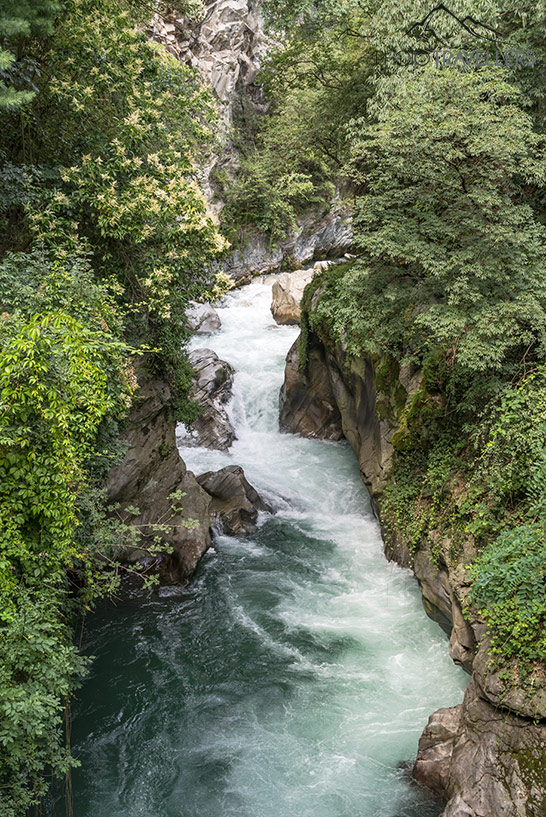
x=294 y=676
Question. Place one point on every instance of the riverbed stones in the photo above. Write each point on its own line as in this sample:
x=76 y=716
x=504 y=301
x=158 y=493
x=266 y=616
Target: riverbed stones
x=287 y=292
x=235 y=503
x=211 y=389
x=202 y=319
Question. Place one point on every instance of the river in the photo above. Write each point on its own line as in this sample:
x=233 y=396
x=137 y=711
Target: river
x=294 y=676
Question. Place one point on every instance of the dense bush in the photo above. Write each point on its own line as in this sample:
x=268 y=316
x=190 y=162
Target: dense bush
x=105 y=236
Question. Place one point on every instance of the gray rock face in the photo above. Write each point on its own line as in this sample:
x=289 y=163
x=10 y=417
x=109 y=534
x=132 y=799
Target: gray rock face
x=433 y=765
x=287 y=292
x=225 y=46
x=316 y=235
x=212 y=390
x=486 y=761
x=203 y=319
x=150 y=472
x=527 y=699
x=335 y=398
x=235 y=503
x=307 y=401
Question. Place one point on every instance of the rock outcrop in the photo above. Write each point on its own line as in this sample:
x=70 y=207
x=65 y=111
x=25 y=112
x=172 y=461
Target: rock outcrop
x=316 y=236
x=150 y=473
x=226 y=46
x=172 y=503
x=484 y=760
x=307 y=402
x=202 y=319
x=212 y=390
x=235 y=503
x=333 y=397
x=487 y=756
x=287 y=292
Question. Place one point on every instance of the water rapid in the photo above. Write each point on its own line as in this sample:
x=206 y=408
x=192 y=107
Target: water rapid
x=295 y=674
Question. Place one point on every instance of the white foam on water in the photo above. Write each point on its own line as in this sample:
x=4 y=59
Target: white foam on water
x=300 y=669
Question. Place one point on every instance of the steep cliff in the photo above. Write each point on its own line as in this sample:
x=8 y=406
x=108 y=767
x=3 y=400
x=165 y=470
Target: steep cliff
x=150 y=473
x=486 y=756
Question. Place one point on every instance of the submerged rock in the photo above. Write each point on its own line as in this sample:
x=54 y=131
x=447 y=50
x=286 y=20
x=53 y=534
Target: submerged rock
x=202 y=318
x=235 y=503
x=287 y=293
x=212 y=390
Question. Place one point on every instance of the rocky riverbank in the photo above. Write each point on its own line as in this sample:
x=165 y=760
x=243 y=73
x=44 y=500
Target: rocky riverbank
x=485 y=756
x=153 y=490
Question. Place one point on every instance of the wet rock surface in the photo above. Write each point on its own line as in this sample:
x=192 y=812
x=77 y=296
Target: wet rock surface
x=202 y=318
x=307 y=402
x=212 y=390
x=333 y=398
x=235 y=503
x=486 y=761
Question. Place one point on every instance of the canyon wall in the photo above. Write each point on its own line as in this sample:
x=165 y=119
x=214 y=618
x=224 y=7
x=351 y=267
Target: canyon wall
x=487 y=755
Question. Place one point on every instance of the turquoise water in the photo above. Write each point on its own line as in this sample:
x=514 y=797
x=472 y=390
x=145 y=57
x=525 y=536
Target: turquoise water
x=296 y=673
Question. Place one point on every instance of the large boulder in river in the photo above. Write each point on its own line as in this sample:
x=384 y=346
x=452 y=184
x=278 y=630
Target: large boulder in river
x=287 y=294
x=212 y=390
x=202 y=319
x=235 y=503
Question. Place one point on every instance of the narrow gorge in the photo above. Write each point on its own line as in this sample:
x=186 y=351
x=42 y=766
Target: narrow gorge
x=272 y=408
x=297 y=670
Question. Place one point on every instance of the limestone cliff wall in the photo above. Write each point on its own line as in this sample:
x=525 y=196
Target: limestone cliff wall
x=487 y=755
x=226 y=46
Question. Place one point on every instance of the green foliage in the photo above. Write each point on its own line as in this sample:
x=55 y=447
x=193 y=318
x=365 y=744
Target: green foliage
x=59 y=378
x=19 y=20
x=118 y=180
x=445 y=235
x=105 y=237
x=39 y=667
x=292 y=158
x=510 y=580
